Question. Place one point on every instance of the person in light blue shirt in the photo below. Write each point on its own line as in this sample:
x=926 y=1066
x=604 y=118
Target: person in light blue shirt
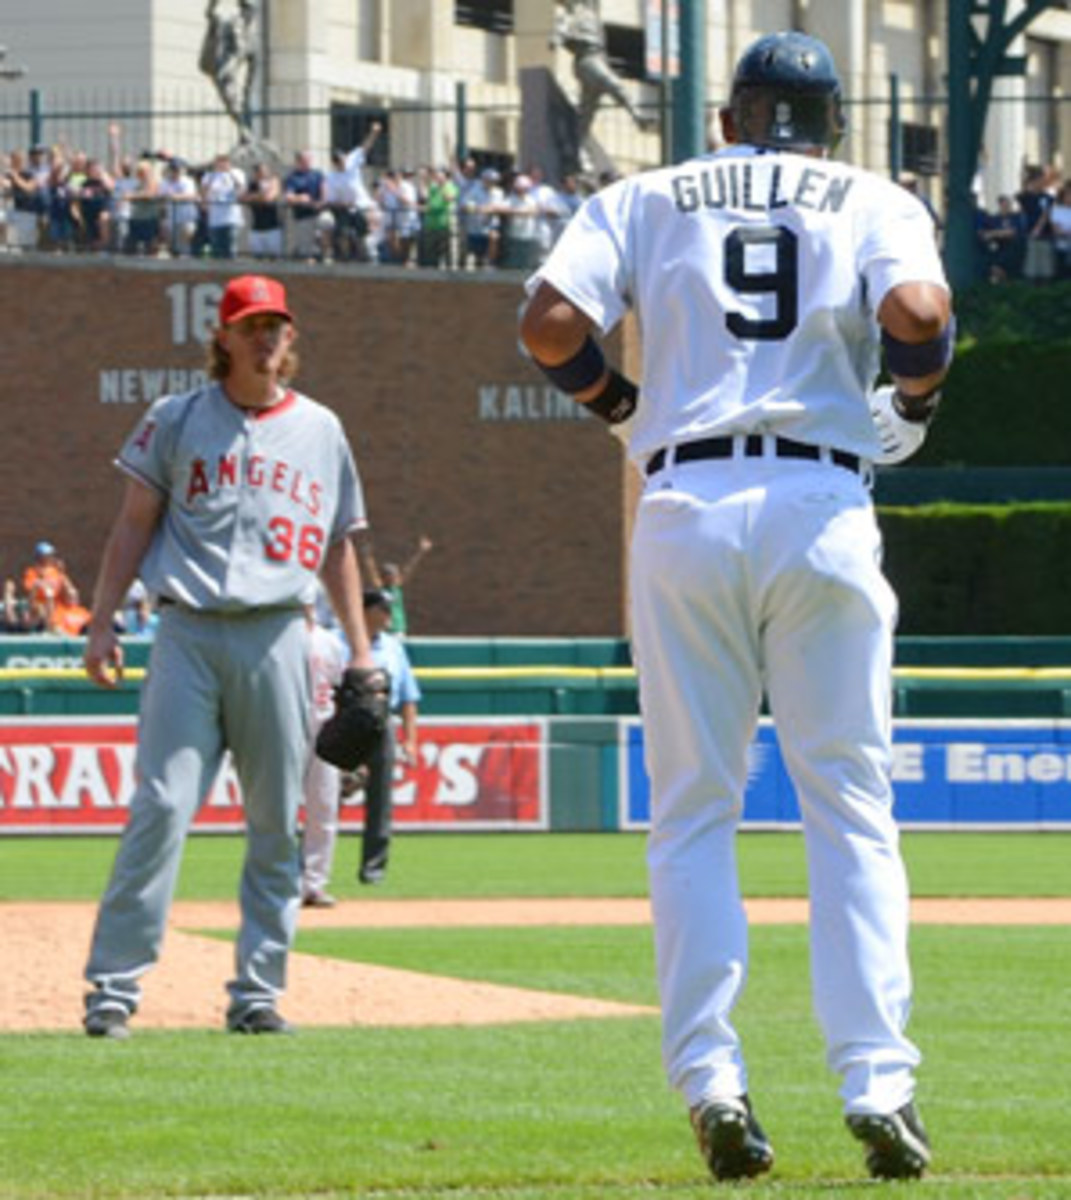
x=375 y=779
x=390 y=654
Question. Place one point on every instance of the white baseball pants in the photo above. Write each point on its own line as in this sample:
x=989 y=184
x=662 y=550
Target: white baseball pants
x=322 y=784
x=752 y=576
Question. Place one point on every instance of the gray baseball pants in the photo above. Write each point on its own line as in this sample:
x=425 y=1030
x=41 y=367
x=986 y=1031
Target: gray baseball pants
x=215 y=682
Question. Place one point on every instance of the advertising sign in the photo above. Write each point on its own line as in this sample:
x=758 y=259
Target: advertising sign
x=946 y=774
x=76 y=775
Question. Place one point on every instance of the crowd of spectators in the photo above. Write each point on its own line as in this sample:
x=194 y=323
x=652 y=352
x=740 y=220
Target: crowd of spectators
x=1023 y=236
x=1028 y=235
x=43 y=599
x=456 y=215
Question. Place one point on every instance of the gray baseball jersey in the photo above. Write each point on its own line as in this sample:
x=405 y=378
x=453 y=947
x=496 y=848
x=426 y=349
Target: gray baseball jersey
x=254 y=498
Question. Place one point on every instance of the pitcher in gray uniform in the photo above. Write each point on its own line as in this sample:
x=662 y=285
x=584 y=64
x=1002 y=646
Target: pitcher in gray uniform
x=239 y=495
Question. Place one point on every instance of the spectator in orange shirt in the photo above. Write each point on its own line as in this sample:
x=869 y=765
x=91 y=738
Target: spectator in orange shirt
x=42 y=579
x=69 y=615
x=52 y=597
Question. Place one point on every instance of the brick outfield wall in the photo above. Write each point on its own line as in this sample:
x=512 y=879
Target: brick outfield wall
x=454 y=432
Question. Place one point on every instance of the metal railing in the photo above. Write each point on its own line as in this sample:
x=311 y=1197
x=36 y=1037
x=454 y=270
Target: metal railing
x=893 y=133
x=184 y=228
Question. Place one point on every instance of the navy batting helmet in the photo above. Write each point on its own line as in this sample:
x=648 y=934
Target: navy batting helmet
x=786 y=94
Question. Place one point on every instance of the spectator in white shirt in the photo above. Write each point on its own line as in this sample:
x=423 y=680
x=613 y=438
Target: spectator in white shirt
x=222 y=189
x=125 y=184
x=181 y=207
x=480 y=203
x=344 y=221
x=551 y=210
x=400 y=203
x=522 y=244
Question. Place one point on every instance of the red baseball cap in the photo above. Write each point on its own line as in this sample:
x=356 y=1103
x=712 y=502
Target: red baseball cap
x=249 y=294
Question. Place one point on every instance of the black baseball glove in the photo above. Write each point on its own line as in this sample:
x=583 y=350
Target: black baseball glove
x=351 y=735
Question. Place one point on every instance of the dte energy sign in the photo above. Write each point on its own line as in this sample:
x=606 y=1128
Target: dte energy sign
x=950 y=773
x=76 y=775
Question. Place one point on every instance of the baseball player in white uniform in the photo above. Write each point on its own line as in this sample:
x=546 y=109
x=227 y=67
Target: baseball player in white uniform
x=323 y=782
x=765 y=278
x=239 y=495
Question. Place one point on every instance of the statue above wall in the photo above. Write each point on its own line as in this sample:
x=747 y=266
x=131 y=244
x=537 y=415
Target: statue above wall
x=229 y=57
x=579 y=29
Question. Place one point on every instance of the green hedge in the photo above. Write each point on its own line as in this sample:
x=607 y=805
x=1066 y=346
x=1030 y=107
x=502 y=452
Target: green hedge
x=974 y=569
x=1006 y=404
x=1015 y=312
x=1006 y=398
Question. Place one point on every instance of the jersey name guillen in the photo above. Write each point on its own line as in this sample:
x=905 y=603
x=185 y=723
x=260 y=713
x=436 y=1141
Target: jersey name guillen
x=759 y=186
x=252 y=500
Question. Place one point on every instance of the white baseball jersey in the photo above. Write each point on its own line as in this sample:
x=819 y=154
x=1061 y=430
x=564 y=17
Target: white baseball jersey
x=755 y=276
x=327 y=660
x=254 y=497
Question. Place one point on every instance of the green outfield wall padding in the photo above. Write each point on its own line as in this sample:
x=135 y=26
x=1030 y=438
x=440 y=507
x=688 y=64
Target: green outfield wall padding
x=1034 y=695
x=1003 y=700
x=935 y=676
x=503 y=652
x=916 y=650
x=42 y=652
x=583 y=775
x=983 y=651
x=970 y=485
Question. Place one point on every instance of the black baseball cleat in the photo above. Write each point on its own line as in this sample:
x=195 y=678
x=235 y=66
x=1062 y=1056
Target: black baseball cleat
x=108 y=1023
x=896 y=1145
x=730 y=1139
x=260 y=1020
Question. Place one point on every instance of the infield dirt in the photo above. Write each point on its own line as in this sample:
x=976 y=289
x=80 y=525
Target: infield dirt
x=43 y=948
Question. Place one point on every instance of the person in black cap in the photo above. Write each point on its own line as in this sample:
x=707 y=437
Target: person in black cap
x=389 y=653
x=376 y=780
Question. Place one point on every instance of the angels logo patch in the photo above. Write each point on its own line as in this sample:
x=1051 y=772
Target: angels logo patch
x=141 y=442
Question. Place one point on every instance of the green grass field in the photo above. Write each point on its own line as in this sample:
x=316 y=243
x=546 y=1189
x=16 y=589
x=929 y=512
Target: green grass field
x=561 y=864
x=553 y=1110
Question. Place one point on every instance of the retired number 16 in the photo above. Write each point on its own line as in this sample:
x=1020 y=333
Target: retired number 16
x=193 y=311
